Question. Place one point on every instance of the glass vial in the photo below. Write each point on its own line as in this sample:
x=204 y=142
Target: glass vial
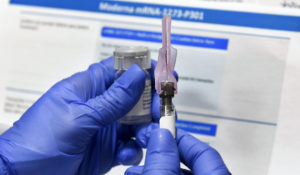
x=124 y=58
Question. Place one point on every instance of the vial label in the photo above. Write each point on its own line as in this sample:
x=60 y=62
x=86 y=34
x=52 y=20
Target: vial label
x=143 y=106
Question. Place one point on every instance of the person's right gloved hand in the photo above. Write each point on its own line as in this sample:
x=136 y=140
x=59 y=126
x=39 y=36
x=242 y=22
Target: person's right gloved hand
x=164 y=155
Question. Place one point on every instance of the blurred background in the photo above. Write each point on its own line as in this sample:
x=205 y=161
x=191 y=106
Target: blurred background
x=238 y=65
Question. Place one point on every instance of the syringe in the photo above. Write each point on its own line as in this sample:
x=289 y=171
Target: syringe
x=165 y=82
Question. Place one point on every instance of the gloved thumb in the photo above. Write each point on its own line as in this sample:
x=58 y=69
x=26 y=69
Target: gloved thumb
x=162 y=154
x=120 y=98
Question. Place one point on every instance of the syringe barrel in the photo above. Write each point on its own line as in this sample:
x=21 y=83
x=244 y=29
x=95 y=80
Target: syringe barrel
x=168 y=121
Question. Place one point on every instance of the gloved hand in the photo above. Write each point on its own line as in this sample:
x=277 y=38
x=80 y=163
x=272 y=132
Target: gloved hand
x=72 y=128
x=164 y=155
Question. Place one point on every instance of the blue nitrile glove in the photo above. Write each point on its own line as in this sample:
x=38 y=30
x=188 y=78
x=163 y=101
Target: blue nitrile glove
x=164 y=155
x=72 y=128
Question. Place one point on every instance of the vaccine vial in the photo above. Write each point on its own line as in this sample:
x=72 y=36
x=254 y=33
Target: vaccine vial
x=124 y=58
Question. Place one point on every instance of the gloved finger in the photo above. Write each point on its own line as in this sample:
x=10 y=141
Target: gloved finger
x=138 y=170
x=92 y=82
x=156 y=108
x=198 y=156
x=162 y=154
x=129 y=153
x=134 y=170
x=176 y=75
x=143 y=132
x=119 y=99
x=153 y=65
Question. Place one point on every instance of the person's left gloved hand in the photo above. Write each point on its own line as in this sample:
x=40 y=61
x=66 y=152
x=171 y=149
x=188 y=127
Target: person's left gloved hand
x=72 y=129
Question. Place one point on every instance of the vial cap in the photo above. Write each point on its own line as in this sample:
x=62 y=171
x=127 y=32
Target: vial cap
x=125 y=57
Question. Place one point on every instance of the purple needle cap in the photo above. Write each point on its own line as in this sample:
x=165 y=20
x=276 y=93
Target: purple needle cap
x=166 y=59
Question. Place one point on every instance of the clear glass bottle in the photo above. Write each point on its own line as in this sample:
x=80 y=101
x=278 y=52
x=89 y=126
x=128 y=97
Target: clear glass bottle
x=124 y=58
